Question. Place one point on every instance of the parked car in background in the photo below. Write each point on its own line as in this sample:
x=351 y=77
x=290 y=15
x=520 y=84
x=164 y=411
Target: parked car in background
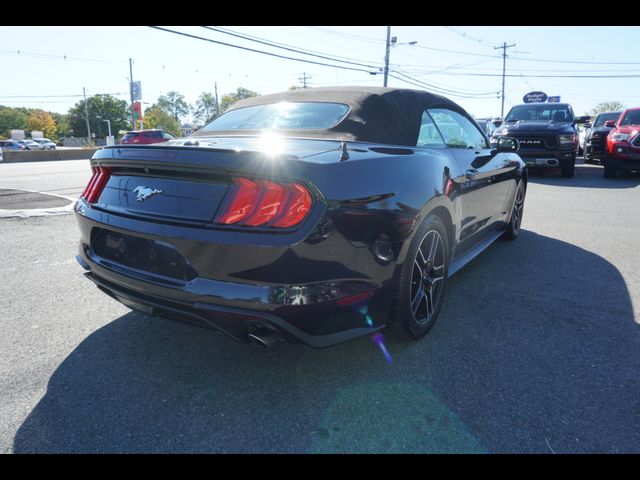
x=316 y=216
x=582 y=135
x=46 y=143
x=1 y=155
x=546 y=132
x=596 y=138
x=623 y=143
x=31 y=145
x=487 y=125
x=11 y=145
x=145 y=137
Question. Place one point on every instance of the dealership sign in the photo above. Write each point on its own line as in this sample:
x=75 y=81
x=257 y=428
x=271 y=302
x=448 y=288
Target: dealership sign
x=535 y=97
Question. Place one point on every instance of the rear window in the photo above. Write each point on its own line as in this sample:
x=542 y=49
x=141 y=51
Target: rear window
x=281 y=116
x=153 y=134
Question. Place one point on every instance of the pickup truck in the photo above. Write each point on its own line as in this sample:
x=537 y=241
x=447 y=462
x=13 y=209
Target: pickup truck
x=546 y=132
x=623 y=143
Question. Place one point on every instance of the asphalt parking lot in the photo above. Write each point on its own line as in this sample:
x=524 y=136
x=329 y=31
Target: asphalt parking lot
x=537 y=350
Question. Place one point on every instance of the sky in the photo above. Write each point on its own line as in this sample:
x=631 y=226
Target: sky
x=47 y=67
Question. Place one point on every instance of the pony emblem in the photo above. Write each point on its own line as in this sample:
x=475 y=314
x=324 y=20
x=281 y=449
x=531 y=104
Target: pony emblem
x=145 y=192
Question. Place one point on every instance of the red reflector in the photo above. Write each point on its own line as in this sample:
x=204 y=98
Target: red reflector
x=296 y=208
x=94 y=175
x=272 y=198
x=98 y=185
x=360 y=297
x=243 y=201
x=448 y=187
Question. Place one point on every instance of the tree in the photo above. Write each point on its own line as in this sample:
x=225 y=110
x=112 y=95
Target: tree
x=174 y=103
x=101 y=108
x=63 y=128
x=42 y=121
x=13 y=118
x=206 y=108
x=612 y=106
x=239 y=94
x=156 y=117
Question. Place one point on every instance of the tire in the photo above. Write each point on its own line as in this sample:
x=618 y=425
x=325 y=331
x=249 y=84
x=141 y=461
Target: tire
x=610 y=171
x=415 y=313
x=513 y=228
x=568 y=168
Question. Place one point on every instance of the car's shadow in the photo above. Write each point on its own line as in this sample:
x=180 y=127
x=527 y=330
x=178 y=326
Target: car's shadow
x=536 y=350
x=586 y=176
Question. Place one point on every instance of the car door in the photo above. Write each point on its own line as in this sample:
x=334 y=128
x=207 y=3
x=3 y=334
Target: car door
x=483 y=180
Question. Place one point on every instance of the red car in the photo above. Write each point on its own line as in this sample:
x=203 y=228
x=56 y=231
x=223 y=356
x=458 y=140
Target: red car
x=144 y=137
x=623 y=143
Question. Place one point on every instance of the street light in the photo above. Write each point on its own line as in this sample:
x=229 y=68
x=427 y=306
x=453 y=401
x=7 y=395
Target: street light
x=108 y=125
x=391 y=42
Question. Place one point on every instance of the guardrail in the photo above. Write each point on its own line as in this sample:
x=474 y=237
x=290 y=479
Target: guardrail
x=47 y=155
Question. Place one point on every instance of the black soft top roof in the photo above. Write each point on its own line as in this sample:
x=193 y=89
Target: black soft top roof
x=377 y=114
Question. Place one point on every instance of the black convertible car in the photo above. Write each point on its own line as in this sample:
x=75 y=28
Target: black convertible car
x=315 y=216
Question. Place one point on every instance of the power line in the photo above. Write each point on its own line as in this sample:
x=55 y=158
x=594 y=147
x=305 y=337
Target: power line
x=535 y=76
x=285 y=46
x=57 y=57
x=258 y=51
x=585 y=62
x=469 y=37
x=295 y=50
x=349 y=35
x=56 y=96
x=445 y=89
x=422 y=84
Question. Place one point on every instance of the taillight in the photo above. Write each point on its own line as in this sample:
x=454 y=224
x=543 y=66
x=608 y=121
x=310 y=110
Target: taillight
x=267 y=203
x=97 y=183
x=273 y=196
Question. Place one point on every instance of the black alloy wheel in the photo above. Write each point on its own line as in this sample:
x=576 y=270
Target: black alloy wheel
x=423 y=279
x=513 y=228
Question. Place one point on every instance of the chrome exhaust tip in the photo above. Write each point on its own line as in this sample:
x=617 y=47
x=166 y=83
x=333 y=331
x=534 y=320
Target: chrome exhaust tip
x=263 y=337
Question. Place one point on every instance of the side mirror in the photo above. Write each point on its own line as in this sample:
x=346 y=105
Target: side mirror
x=610 y=123
x=507 y=144
x=497 y=122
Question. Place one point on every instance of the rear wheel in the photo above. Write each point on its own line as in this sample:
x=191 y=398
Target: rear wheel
x=423 y=279
x=513 y=229
x=568 y=168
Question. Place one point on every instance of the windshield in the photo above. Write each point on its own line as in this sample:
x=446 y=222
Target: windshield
x=603 y=117
x=541 y=112
x=632 y=117
x=283 y=115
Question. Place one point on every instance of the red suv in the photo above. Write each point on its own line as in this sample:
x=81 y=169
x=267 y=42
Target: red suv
x=623 y=143
x=144 y=137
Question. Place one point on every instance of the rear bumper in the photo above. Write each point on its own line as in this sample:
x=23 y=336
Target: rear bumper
x=308 y=312
x=235 y=322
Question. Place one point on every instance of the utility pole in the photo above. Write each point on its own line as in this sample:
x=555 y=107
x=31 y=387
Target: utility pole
x=86 y=116
x=504 y=47
x=133 y=117
x=386 y=57
x=304 y=79
x=215 y=88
